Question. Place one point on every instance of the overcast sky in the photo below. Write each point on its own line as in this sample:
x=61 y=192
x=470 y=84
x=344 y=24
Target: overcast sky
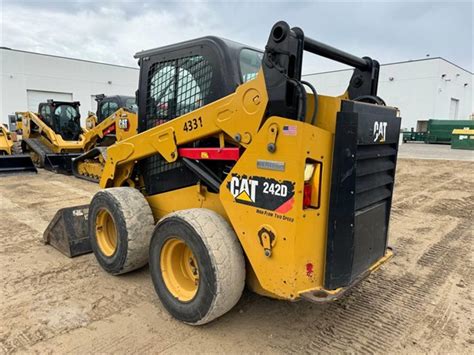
x=113 y=31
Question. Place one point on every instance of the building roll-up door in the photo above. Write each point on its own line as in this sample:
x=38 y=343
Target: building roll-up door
x=35 y=97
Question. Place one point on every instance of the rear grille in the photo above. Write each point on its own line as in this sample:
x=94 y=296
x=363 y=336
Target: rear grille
x=375 y=166
x=362 y=182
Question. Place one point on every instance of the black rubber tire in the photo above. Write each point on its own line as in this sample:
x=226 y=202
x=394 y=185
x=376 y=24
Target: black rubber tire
x=220 y=261
x=134 y=224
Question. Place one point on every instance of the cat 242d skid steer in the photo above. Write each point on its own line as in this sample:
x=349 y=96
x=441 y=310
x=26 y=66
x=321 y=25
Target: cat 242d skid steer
x=239 y=175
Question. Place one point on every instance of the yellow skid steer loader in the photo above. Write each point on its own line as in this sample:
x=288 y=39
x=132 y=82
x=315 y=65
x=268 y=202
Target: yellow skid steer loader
x=11 y=159
x=115 y=120
x=238 y=175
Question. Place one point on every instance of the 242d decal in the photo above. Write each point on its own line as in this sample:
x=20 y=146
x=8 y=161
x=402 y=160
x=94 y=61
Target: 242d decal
x=257 y=191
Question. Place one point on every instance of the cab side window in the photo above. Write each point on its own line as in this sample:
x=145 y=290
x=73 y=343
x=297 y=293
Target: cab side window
x=113 y=106
x=45 y=114
x=131 y=105
x=106 y=109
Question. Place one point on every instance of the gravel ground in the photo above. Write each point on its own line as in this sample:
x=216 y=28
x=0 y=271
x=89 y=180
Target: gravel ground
x=434 y=151
x=422 y=301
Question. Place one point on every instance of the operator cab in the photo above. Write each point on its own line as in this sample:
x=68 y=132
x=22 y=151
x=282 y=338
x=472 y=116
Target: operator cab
x=62 y=117
x=107 y=105
x=181 y=78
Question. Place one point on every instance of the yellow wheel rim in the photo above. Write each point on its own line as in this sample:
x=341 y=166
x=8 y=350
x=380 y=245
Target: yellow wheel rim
x=179 y=269
x=106 y=232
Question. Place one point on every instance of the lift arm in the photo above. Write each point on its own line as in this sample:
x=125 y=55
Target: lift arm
x=239 y=115
x=123 y=122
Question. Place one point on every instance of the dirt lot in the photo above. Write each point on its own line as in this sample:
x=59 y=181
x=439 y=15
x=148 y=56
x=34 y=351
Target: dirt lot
x=422 y=301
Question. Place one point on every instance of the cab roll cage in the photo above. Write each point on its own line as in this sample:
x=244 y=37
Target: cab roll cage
x=282 y=64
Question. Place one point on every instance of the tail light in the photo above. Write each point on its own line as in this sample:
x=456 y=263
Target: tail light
x=309 y=172
x=312 y=177
x=307 y=195
x=308 y=175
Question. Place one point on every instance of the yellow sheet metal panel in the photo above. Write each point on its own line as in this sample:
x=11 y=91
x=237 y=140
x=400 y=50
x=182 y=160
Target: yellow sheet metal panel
x=328 y=107
x=263 y=197
x=195 y=196
x=6 y=141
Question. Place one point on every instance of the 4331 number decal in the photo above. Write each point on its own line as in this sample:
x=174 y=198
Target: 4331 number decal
x=191 y=125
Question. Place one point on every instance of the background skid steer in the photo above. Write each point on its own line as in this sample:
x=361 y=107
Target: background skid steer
x=107 y=105
x=11 y=159
x=115 y=120
x=239 y=175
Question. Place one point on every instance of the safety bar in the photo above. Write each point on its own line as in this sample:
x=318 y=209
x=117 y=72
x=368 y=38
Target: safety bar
x=330 y=52
x=281 y=30
x=282 y=67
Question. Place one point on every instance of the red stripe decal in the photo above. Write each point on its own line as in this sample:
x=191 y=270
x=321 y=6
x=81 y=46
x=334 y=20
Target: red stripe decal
x=286 y=206
x=210 y=153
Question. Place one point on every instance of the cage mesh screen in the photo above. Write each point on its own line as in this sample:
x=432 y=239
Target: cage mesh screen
x=175 y=87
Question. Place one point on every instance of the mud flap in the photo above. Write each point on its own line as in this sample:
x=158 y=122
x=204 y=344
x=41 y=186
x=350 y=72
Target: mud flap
x=20 y=163
x=60 y=163
x=67 y=231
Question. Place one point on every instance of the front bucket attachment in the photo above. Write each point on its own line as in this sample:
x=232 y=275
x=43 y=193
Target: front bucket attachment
x=60 y=163
x=67 y=231
x=21 y=163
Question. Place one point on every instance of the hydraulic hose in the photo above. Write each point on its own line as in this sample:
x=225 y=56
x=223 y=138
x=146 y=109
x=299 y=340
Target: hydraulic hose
x=315 y=94
x=301 y=99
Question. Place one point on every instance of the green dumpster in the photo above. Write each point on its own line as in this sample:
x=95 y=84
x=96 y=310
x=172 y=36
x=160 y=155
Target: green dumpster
x=440 y=131
x=462 y=139
x=411 y=136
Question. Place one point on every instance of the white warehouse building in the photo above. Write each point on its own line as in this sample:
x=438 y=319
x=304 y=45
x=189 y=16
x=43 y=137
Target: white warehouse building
x=421 y=89
x=30 y=78
x=431 y=88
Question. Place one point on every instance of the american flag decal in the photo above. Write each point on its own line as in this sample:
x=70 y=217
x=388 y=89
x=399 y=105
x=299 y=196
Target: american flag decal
x=289 y=130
